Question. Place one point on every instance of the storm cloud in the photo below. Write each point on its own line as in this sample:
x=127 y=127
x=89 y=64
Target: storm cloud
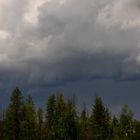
x=51 y=43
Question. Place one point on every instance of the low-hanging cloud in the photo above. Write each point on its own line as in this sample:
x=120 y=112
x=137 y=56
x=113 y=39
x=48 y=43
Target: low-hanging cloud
x=47 y=42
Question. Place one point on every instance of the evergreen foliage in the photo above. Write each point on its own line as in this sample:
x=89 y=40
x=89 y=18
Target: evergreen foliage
x=62 y=121
x=41 y=127
x=99 y=121
x=13 y=116
x=83 y=125
x=29 y=123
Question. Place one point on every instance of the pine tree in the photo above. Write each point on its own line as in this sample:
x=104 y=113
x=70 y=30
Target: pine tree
x=99 y=121
x=64 y=125
x=41 y=128
x=83 y=134
x=30 y=101
x=126 y=123
x=13 y=116
x=50 y=112
x=70 y=120
x=29 y=123
x=114 y=129
x=136 y=130
x=59 y=118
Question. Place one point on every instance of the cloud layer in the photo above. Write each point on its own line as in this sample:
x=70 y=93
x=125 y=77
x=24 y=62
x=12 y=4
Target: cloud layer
x=47 y=43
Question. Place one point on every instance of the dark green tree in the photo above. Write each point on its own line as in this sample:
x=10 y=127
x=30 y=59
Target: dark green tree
x=50 y=112
x=71 y=120
x=136 y=130
x=28 y=125
x=59 y=118
x=114 y=129
x=64 y=123
x=99 y=121
x=30 y=101
x=41 y=131
x=83 y=125
x=126 y=123
x=13 y=116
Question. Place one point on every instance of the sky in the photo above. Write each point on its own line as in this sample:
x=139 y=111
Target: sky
x=81 y=47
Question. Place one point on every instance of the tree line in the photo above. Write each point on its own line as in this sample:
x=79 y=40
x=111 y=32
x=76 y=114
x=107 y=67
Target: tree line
x=62 y=121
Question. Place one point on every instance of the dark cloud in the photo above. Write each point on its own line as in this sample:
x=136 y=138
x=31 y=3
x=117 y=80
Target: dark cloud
x=51 y=44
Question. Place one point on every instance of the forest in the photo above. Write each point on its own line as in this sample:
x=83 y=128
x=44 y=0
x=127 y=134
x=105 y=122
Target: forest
x=61 y=120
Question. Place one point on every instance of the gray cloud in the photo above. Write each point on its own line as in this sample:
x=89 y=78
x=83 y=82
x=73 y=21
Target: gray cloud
x=48 y=43
x=70 y=39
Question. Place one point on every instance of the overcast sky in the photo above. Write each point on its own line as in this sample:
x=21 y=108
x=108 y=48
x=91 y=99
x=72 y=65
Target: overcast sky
x=82 y=47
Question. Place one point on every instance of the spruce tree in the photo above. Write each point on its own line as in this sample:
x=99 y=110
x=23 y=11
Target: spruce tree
x=83 y=126
x=13 y=116
x=50 y=112
x=99 y=121
x=41 y=130
x=29 y=123
x=70 y=121
x=64 y=125
x=114 y=129
x=136 y=130
x=59 y=118
x=126 y=123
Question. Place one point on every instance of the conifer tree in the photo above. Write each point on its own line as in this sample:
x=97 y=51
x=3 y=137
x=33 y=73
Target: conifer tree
x=99 y=121
x=136 y=130
x=114 y=129
x=29 y=123
x=59 y=118
x=41 y=128
x=64 y=120
x=50 y=112
x=126 y=123
x=70 y=120
x=83 y=134
x=13 y=116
